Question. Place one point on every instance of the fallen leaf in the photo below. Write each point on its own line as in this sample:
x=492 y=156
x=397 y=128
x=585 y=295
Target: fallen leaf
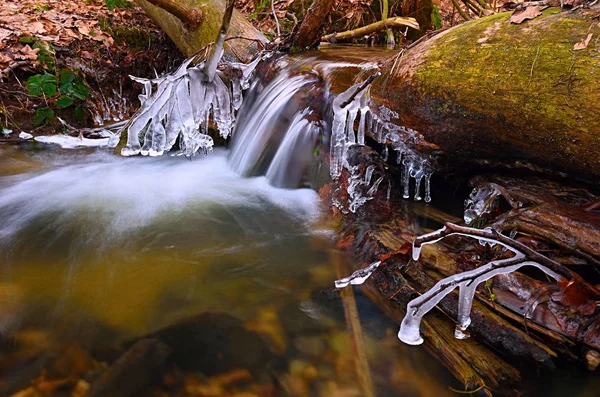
x=528 y=13
x=36 y=27
x=5 y=34
x=582 y=45
x=26 y=52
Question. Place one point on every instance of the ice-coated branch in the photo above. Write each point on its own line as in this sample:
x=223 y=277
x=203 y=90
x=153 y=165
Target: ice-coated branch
x=467 y=282
x=358 y=277
x=212 y=62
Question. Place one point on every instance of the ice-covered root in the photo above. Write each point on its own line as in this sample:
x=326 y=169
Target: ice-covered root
x=181 y=106
x=358 y=277
x=468 y=281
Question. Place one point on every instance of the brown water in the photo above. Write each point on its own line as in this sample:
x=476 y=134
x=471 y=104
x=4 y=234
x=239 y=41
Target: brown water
x=98 y=251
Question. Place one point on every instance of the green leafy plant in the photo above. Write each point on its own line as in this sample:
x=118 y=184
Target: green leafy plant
x=46 y=50
x=43 y=116
x=112 y=4
x=63 y=90
x=261 y=6
x=436 y=18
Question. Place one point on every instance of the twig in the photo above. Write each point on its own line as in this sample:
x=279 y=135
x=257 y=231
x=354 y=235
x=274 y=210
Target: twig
x=275 y=16
x=533 y=64
x=4 y=73
x=389 y=23
x=211 y=65
x=191 y=17
x=469 y=280
x=360 y=88
x=491 y=234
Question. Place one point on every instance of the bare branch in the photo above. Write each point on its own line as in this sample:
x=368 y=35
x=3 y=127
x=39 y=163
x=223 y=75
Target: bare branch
x=389 y=23
x=191 y=17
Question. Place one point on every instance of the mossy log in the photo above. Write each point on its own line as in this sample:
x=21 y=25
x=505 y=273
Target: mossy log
x=492 y=92
x=190 y=40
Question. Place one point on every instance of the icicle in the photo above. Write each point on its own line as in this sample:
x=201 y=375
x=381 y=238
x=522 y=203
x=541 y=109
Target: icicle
x=358 y=277
x=428 y=187
x=406 y=177
x=368 y=174
x=481 y=202
x=375 y=186
x=385 y=154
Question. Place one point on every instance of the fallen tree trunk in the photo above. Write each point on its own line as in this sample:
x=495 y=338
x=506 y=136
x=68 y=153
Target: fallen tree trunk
x=191 y=39
x=492 y=92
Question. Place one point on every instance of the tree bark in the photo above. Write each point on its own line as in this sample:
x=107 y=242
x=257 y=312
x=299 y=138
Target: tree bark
x=191 y=39
x=491 y=92
x=310 y=29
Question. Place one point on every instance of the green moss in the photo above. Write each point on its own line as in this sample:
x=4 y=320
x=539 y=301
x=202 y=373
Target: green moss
x=523 y=72
x=134 y=37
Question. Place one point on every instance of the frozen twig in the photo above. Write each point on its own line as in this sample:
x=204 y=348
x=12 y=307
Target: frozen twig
x=358 y=277
x=468 y=281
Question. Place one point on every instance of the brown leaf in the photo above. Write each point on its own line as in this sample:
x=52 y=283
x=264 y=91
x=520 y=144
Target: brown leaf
x=577 y=295
x=5 y=34
x=582 y=45
x=528 y=13
x=36 y=27
x=26 y=52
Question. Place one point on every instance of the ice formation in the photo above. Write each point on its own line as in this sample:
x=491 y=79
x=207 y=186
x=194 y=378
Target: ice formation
x=355 y=103
x=358 y=277
x=481 y=202
x=181 y=105
x=467 y=283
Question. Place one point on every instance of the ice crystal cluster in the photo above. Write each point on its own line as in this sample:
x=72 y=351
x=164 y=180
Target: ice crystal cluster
x=178 y=107
x=354 y=104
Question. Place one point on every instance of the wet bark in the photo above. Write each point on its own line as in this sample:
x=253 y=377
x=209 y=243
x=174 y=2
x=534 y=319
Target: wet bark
x=493 y=93
x=190 y=39
x=309 y=32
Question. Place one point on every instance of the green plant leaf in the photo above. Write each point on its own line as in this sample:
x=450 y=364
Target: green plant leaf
x=28 y=40
x=79 y=114
x=43 y=116
x=64 y=102
x=436 y=18
x=40 y=84
x=112 y=4
x=73 y=85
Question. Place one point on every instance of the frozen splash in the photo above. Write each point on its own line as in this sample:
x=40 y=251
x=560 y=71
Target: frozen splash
x=179 y=106
x=354 y=104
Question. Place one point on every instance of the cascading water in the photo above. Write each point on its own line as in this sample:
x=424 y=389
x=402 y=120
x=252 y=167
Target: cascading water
x=275 y=133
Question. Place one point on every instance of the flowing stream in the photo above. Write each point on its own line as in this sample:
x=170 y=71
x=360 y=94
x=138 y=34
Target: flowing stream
x=225 y=258
x=97 y=250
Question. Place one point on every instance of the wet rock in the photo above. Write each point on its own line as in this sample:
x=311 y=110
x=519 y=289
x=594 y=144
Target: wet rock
x=17 y=375
x=592 y=358
x=267 y=323
x=11 y=302
x=313 y=346
x=214 y=343
x=133 y=371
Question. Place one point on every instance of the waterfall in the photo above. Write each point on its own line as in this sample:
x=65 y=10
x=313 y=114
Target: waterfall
x=276 y=109
x=274 y=134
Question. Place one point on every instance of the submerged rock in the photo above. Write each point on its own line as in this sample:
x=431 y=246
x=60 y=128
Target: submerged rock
x=214 y=343
x=133 y=371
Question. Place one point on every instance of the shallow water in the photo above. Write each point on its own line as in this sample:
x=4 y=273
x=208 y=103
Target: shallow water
x=97 y=251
